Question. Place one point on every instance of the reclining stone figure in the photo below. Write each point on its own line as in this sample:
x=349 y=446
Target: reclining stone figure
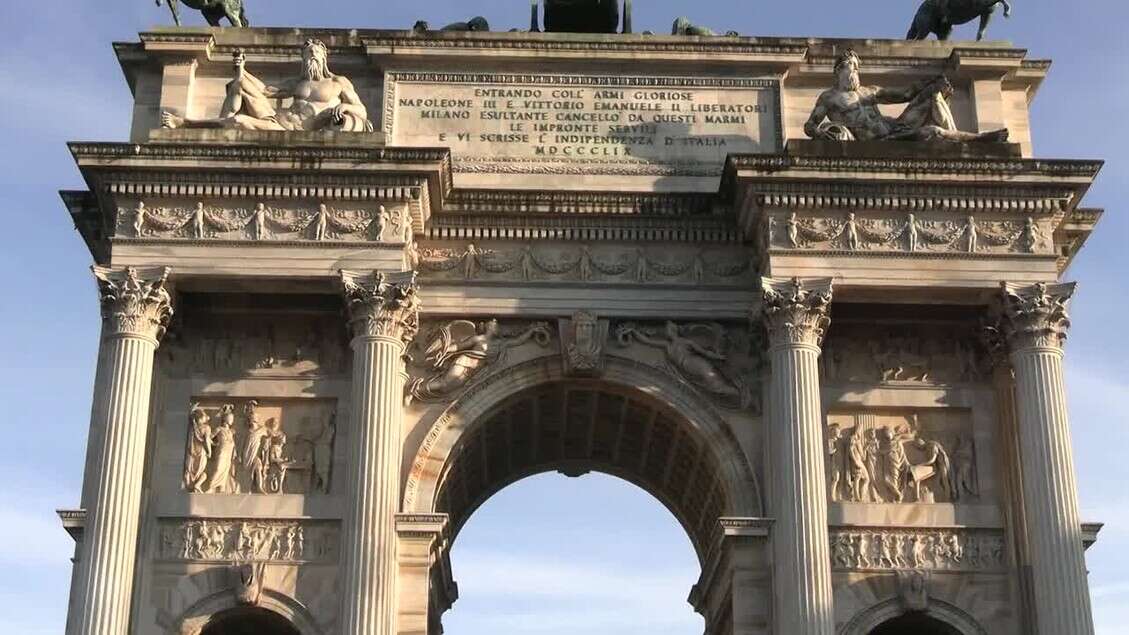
x=320 y=100
x=683 y=26
x=477 y=23
x=849 y=111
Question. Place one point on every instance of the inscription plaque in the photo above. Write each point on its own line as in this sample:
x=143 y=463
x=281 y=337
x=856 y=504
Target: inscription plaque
x=583 y=124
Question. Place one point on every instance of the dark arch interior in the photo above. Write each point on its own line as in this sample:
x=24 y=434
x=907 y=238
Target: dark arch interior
x=249 y=621
x=576 y=427
x=914 y=624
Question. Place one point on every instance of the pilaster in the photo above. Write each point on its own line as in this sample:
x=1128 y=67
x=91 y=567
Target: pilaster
x=1034 y=322
x=383 y=313
x=136 y=308
x=796 y=317
x=426 y=587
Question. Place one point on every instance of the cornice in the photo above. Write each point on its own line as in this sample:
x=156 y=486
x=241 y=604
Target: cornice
x=769 y=164
x=669 y=204
x=87 y=151
x=876 y=197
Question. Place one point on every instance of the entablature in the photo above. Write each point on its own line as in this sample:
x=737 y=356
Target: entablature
x=954 y=219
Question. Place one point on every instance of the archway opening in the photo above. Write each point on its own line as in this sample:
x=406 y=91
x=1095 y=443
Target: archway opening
x=628 y=445
x=248 y=621
x=914 y=624
x=553 y=555
x=580 y=427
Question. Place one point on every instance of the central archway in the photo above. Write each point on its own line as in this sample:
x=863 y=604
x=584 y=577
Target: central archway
x=636 y=423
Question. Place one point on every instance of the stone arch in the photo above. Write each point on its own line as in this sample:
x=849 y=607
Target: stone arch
x=626 y=384
x=248 y=620
x=939 y=610
x=196 y=617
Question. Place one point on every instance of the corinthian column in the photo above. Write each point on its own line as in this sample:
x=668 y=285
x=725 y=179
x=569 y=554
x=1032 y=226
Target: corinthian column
x=796 y=316
x=383 y=317
x=135 y=311
x=1034 y=322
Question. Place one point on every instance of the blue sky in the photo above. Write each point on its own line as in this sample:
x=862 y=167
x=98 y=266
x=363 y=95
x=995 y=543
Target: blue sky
x=606 y=558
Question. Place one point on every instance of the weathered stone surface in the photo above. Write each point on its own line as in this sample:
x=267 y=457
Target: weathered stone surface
x=579 y=302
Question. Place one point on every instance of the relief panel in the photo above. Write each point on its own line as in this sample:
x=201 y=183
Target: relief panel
x=901 y=457
x=867 y=549
x=903 y=353
x=248 y=540
x=269 y=446
x=268 y=345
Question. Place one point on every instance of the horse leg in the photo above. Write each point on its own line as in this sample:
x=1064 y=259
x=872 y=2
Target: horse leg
x=174 y=6
x=944 y=31
x=985 y=19
x=213 y=16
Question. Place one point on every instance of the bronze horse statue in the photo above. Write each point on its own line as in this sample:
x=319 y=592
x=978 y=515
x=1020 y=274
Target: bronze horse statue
x=940 y=16
x=582 y=16
x=213 y=10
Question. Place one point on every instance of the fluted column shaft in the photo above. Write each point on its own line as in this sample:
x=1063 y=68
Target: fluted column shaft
x=383 y=318
x=795 y=315
x=1034 y=323
x=136 y=308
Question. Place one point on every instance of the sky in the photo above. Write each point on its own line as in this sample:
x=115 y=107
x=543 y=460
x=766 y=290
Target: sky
x=597 y=555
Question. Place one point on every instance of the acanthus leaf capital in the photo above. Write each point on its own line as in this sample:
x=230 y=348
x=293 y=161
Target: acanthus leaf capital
x=134 y=301
x=382 y=304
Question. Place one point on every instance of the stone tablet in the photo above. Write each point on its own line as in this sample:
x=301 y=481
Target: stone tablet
x=589 y=125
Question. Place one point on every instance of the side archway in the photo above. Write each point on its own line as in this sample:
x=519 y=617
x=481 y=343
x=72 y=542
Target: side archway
x=274 y=608
x=248 y=621
x=635 y=422
x=890 y=618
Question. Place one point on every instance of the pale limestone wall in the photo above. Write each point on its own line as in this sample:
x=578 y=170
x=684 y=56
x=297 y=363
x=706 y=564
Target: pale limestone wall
x=257 y=228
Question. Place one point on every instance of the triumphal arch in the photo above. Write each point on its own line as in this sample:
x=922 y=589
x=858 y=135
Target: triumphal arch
x=805 y=292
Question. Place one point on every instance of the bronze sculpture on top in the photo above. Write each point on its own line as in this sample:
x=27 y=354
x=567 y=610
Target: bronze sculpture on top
x=940 y=16
x=849 y=111
x=319 y=100
x=213 y=10
x=581 y=16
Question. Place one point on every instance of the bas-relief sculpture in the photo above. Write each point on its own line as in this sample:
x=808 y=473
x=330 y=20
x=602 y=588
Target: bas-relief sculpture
x=896 y=459
x=900 y=353
x=883 y=549
x=583 y=341
x=290 y=452
x=697 y=354
x=453 y=353
x=910 y=233
x=849 y=111
x=266 y=222
x=264 y=344
x=584 y=263
x=212 y=10
x=319 y=100
x=940 y=16
x=248 y=540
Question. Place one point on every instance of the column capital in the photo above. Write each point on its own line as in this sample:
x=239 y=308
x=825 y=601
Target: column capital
x=382 y=305
x=796 y=311
x=135 y=302
x=1034 y=316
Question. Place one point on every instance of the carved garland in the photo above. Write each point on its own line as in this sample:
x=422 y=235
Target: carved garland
x=532 y=262
x=910 y=235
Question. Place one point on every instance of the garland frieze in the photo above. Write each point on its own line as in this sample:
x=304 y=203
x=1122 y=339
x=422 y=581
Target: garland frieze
x=908 y=233
x=583 y=263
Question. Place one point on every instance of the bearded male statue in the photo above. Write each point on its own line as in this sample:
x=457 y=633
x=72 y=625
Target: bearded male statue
x=320 y=100
x=849 y=111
